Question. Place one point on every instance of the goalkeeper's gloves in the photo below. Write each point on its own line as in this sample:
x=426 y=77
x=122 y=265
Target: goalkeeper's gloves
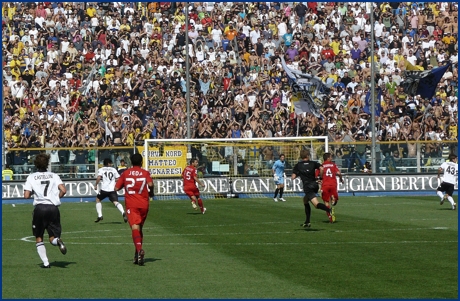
x=275 y=177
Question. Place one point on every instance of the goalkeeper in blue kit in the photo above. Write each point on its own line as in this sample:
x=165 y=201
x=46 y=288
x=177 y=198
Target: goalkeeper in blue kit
x=278 y=177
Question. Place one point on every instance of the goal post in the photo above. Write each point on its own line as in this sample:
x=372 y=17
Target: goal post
x=228 y=166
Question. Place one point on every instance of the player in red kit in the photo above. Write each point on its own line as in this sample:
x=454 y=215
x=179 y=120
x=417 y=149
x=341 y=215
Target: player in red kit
x=190 y=178
x=138 y=186
x=330 y=194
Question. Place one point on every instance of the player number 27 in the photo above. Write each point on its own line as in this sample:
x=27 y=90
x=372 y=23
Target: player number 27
x=131 y=182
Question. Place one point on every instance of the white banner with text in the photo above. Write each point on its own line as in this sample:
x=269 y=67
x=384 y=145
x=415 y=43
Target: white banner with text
x=251 y=185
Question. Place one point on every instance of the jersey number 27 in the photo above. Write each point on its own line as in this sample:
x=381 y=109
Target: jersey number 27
x=131 y=182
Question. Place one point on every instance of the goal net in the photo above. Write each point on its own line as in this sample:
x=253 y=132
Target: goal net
x=229 y=167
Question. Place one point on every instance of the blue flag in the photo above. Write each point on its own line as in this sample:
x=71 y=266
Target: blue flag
x=368 y=103
x=424 y=83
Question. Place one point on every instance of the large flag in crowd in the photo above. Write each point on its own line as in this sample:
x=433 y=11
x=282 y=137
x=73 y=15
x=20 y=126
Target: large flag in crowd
x=423 y=83
x=368 y=102
x=308 y=91
x=85 y=88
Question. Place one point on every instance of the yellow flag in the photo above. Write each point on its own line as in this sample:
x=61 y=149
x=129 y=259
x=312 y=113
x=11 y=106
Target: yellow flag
x=410 y=67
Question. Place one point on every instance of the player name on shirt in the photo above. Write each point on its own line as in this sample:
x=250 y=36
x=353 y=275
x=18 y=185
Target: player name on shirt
x=43 y=177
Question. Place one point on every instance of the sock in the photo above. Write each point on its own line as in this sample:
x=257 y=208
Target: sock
x=276 y=192
x=137 y=239
x=42 y=253
x=200 y=203
x=307 y=212
x=281 y=192
x=451 y=200
x=54 y=241
x=99 y=209
x=439 y=193
x=120 y=208
x=323 y=207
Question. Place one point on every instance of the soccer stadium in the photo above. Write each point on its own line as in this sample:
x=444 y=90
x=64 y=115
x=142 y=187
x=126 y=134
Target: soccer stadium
x=240 y=87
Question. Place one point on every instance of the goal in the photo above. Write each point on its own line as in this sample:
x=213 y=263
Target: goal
x=229 y=167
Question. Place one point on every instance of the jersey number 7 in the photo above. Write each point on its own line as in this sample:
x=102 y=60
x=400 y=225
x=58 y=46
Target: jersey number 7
x=47 y=184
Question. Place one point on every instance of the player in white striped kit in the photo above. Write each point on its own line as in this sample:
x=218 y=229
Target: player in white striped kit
x=447 y=186
x=107 y=176
x=47 y=189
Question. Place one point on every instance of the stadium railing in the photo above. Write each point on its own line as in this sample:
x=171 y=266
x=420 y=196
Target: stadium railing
x=74 y=163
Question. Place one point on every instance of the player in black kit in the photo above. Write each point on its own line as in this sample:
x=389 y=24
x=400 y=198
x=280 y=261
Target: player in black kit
x=306 y=170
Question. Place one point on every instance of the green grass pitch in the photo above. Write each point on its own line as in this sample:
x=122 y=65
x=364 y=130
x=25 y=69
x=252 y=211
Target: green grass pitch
x=380 y=247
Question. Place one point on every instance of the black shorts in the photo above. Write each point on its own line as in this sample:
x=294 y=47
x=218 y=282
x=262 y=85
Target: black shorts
x=448 y=188
x=112 y=195
x=46 y=217
x=310 y=189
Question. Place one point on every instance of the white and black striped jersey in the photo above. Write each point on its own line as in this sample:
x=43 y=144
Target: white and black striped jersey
x=109 y=176
x=44 y=186
x=450 y=172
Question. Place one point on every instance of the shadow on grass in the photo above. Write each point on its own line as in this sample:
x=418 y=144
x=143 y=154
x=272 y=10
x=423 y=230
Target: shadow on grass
x=308 y=230
x=110 y=223
x=151 y=259
x=195 y=213
x=148 y=260
x=61 y=264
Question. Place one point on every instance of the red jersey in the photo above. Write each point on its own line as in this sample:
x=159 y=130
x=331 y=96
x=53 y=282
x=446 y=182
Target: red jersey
x=330 y=173
x=227 y=82
x=135 y=180
x=188 y=175
x=328 y=53
x=206 y=21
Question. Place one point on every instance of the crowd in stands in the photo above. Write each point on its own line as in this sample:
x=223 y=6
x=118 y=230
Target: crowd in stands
x=114 y=73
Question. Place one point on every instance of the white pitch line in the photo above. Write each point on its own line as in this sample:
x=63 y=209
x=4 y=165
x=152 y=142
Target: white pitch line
x=31 y=238
x=271 y=243
x=266 y=233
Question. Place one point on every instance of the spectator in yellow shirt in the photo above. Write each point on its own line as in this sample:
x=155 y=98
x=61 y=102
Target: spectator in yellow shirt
x=106 y=109
x=124 y=27
x=7 y=174
x=335 y=45
x=109 y=75
x=448 y=38
x=272 y=26
x=15 y=62
x=91 y=11
x=16 y=72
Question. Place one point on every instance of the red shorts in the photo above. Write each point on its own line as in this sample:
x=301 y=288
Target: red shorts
x=137 y=216
x=191 y=191
x=329 y=191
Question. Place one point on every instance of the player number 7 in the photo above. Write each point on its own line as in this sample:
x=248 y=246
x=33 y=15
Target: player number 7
x=47 y=184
